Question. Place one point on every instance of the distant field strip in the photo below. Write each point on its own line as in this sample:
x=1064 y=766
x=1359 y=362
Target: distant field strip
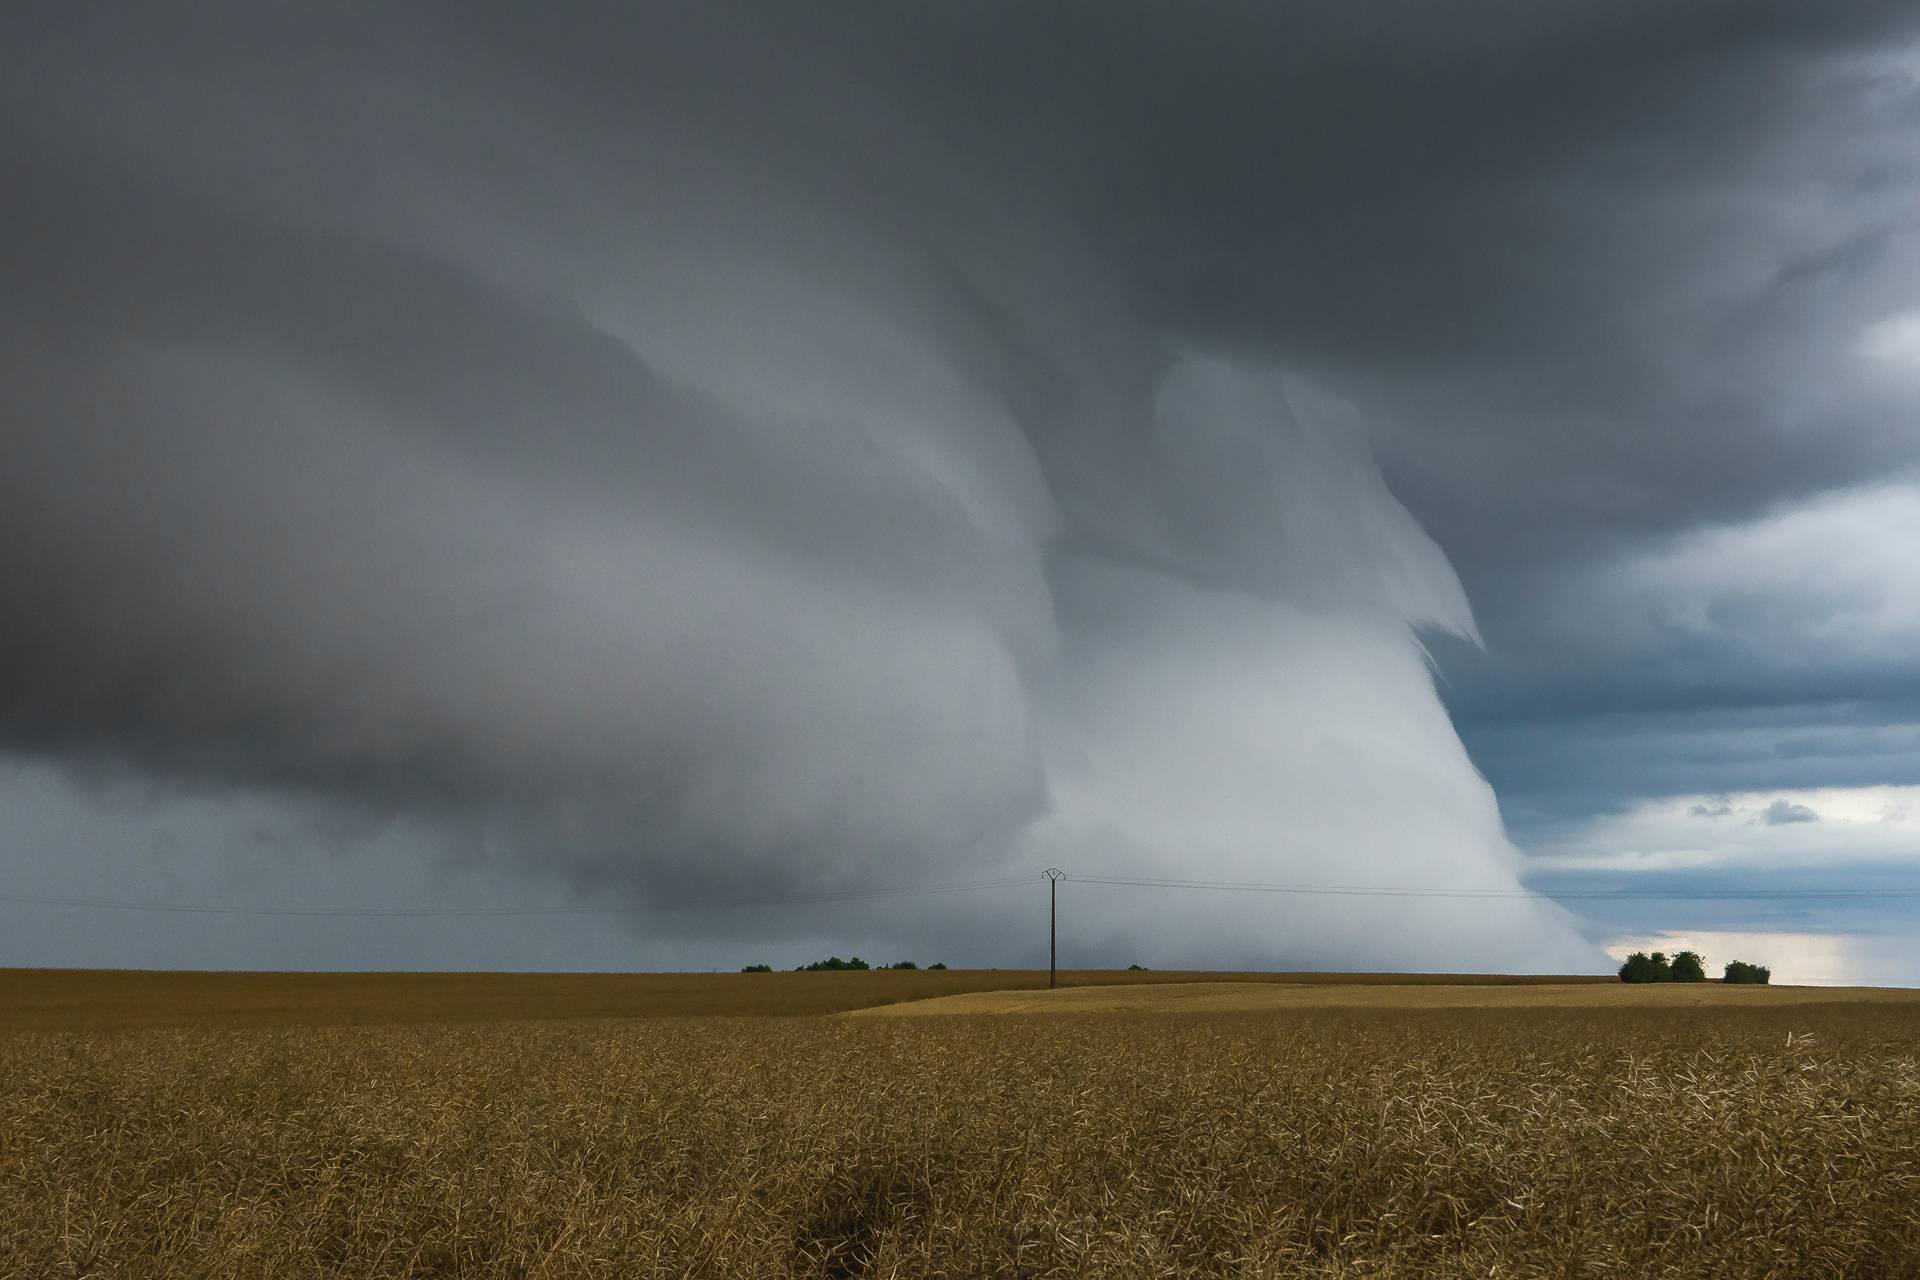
x=1223 y=997
x=105 y=999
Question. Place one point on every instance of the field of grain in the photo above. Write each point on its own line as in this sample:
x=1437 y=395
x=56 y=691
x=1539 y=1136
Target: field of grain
x=1766 y=1138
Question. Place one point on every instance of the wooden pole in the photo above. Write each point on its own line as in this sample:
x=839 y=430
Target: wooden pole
x=1054 y=876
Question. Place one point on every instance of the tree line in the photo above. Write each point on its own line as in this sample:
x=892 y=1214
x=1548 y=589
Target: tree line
x=834 y=964
x=1687 y=966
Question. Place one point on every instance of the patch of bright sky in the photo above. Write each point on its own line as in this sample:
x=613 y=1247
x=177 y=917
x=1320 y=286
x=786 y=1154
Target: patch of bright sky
x=1830 y=827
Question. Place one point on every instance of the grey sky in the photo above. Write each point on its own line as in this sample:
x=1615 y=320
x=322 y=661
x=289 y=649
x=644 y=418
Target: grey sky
x=607 y=452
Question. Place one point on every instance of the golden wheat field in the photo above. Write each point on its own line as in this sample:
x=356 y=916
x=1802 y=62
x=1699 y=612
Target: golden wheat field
x=1770 y=1136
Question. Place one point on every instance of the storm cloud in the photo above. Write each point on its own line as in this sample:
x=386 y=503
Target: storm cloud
x=685 y=453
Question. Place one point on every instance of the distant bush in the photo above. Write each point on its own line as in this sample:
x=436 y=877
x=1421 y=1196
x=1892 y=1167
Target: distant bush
x=1689 y=966
x=757 y=968
x=1136 y=967
x=833 y=964
x=1641 y=967
x=1741 y=971
x=903 y=964
x=936 y=965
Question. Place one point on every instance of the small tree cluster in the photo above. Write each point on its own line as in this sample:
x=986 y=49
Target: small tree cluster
x=1741 y=971
x=1687 y=966
x=833 y=964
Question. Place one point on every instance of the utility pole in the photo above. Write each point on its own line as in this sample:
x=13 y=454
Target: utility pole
x=1054 y=876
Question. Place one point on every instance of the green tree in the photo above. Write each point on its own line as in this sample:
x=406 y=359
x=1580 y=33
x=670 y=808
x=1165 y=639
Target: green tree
x=833 y=964
x=1638 y=968
x=1689 y=966
x=1642 y=968
x=757 y=968
x=1741 y=971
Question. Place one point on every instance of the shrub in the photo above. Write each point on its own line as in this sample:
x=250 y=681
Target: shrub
x=903 y=964
x=1689 y=966
x=757 y=968
x=1641 y=967
x=833 y=964
x=1741 y=971
x=936 y=965
x=1136 y=967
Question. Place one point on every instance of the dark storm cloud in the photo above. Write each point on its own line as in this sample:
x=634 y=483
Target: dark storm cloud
x=299 y=497
x=1546 y=235
x=679 y=436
